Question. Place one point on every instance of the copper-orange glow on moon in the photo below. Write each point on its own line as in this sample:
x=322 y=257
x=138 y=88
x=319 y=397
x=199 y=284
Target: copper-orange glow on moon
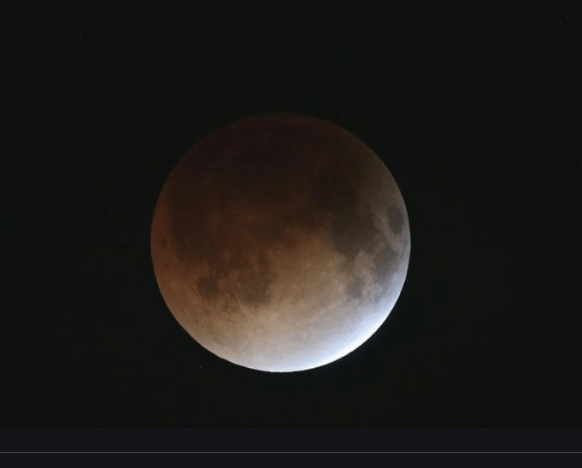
x=280 y=242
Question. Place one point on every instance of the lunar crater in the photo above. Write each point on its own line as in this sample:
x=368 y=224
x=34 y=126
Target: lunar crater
x=395 y=219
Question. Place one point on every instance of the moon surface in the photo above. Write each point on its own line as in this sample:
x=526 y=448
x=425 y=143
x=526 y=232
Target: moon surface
x=280 y=242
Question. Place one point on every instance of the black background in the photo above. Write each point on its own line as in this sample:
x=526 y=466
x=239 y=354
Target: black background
x=473 y=107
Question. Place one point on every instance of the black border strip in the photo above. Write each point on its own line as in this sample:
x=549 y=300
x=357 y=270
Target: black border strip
x=291 y=440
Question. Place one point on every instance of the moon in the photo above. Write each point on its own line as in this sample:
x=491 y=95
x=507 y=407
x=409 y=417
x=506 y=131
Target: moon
x=280 y=242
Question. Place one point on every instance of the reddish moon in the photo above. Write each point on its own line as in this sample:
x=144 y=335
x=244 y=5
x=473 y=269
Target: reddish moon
x=280 y=242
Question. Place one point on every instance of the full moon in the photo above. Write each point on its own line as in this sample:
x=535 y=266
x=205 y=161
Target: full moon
x=280 y=242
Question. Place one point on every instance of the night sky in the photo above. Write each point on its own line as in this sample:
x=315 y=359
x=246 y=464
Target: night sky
x=473 y=108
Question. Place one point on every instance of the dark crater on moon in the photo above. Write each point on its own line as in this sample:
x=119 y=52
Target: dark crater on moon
x=208 y=287
x=395 y=219
x=356 y=287
x=385 y=262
